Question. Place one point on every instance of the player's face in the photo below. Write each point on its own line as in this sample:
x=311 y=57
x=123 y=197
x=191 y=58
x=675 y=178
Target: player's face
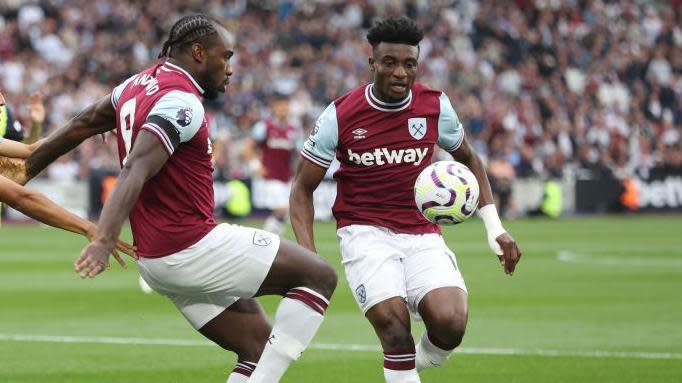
x=394 y=66
x=280 y=108
x=218 y=70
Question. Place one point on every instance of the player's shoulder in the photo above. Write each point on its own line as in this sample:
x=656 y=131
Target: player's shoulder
x=351 y=97
x=423 y=90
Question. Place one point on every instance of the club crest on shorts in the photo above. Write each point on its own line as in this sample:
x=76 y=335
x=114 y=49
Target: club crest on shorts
x=262 y=239
x=417 y=127
x=361 y=293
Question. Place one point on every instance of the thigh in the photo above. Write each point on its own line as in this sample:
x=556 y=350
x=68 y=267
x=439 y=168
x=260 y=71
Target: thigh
x=431 y=265
x=231 y=260
x=296 y=266
x=372 y=262
x=242 y=327
x=445 y=306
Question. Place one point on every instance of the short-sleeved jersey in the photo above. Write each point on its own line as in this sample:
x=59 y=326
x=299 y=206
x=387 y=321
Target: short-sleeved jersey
x=382 y=147
x=277 y=143
x=175 y=208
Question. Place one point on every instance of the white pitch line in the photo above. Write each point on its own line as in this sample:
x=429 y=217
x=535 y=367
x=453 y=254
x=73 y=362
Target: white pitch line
x=614 y=260
x=343 y=347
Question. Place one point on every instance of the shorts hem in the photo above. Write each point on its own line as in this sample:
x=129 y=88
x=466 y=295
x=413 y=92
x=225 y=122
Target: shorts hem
x=421 y=295
x=366 y=306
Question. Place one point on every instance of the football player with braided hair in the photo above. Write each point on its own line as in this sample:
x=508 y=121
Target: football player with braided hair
x=210 y=271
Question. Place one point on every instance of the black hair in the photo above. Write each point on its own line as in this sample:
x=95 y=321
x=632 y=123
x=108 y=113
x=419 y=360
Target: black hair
x=400 y=30
x=188 y=30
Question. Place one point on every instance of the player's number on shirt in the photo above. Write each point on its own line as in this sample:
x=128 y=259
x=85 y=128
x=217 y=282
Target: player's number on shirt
x=127 y=118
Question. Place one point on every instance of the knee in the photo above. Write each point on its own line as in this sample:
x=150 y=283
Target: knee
x=324 y=279
x=447 y=329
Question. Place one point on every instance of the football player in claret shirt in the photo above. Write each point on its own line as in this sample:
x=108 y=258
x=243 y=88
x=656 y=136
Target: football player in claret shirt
x=210 y=271
x=273 y=145
x=396 y=262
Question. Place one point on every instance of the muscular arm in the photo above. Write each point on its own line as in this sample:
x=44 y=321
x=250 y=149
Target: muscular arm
x=37 y=206
x=145 y=160
x=466 y=155
x=15 y=149
x=308 y=177
x=97 y=118
x=499 y=240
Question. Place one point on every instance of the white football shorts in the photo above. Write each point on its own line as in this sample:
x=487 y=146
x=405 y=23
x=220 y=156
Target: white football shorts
x=270 y=194
x=229 y=263
x=381 y=264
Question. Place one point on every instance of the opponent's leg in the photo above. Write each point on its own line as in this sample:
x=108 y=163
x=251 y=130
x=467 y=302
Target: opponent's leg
x=391 y=322
x=444 y=311
x=243 y=328
x=307 y=282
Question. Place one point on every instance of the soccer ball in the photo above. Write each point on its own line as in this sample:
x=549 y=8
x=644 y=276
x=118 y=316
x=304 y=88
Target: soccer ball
x=446 y=192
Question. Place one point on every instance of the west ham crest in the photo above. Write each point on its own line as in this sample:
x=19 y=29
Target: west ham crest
x=261 y=239
x=417 y=127
x=361 y=293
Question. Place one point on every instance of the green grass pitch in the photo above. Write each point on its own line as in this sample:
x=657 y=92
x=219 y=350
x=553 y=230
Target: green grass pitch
x=593 y=300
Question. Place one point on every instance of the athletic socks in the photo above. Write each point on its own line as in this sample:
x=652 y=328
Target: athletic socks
x=429 y=355
x=399 y=366
x=274 y=224
x=297 y=319
x=241 y=373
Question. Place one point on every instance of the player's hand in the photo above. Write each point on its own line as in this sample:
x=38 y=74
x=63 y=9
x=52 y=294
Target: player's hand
x=510 y=252
x=36 y=108
x=93 y=260
x=122 y=246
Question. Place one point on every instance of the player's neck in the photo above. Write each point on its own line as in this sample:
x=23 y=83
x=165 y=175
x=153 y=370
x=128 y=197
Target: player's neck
x=183 y=66
x=385 y=98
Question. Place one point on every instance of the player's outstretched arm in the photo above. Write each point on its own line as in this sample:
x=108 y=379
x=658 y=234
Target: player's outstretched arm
x=308 y=177
x=97 y=118
x=500 y=241
x=37 y=206
x=146 y=158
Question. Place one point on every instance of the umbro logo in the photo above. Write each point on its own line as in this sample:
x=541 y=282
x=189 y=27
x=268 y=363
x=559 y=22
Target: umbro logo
x=359 y=133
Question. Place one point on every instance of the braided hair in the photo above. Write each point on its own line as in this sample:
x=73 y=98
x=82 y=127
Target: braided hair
x=188 y=30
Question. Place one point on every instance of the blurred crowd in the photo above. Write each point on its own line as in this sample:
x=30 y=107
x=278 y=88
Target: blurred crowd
x=545 y=88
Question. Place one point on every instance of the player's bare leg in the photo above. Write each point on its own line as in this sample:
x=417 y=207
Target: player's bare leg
x=242 y=328
x=307 y=282
x=444 y=311
x=391 y=322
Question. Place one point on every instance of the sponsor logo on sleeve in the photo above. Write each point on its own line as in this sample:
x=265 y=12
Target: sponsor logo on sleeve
x=184 y=116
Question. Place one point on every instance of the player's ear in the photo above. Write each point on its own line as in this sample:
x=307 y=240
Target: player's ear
x=198 y=52
x=371 y=63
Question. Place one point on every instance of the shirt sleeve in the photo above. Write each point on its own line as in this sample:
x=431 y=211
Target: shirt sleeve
x=116 y=93
x=175 y=118
x=320 y=147
x=259 y=131
x=450 y=130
